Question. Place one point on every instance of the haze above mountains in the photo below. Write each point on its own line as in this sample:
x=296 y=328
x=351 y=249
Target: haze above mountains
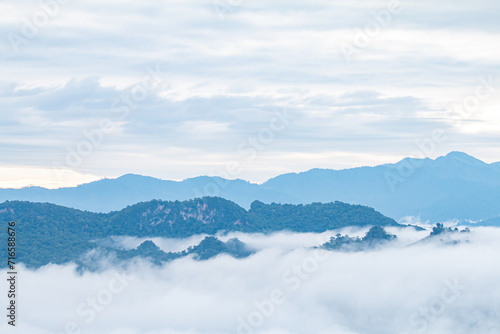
x=455 y=186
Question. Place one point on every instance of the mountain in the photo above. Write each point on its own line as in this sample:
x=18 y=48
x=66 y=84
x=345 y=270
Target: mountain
x=206 y=249
x=115 y=194
x=51 y=233
x=375 y=237
x=455 y=186
x=211 y=247
x=445 y=236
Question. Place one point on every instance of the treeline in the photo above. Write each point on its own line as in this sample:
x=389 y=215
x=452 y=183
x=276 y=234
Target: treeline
x=48 y=233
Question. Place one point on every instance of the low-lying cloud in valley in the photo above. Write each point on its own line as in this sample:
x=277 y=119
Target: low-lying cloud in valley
x=282 y=289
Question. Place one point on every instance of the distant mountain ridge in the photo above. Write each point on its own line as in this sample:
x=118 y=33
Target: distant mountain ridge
x=455 y=186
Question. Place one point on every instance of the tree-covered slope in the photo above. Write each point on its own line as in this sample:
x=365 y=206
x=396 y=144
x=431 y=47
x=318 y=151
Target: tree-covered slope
x=315 y=217
x=51 y=233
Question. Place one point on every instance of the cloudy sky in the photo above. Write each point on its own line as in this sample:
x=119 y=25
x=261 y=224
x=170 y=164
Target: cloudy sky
x=176 y=89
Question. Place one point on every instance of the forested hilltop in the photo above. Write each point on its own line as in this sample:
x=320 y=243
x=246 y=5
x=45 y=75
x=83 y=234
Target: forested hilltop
x=50 y=233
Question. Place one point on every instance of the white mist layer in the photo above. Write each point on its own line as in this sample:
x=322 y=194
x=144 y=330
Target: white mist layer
x=281 y=240
x=418 y=289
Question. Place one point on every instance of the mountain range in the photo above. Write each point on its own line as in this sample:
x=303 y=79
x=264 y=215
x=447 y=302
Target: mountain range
x=49 y=233
x=455 y=186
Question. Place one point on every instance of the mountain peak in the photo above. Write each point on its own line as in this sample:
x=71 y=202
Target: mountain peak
x=461 y=157
x=458 y=154
x=131 y=176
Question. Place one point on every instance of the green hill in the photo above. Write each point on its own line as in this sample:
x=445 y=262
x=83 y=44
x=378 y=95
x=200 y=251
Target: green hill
x=48 y=233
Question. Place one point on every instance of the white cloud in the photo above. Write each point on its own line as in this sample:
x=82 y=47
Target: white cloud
x=394 y=290
x=262 y=55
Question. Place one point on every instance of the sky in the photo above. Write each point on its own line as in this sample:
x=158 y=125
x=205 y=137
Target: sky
x=282 y=289
x=177 y=89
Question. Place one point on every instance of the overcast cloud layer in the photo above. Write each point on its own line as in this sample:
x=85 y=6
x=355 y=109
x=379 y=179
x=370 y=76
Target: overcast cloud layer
x=398 y=290
x=209 y=76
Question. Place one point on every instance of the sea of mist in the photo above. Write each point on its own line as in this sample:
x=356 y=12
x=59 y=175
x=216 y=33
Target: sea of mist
x=286 y=287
